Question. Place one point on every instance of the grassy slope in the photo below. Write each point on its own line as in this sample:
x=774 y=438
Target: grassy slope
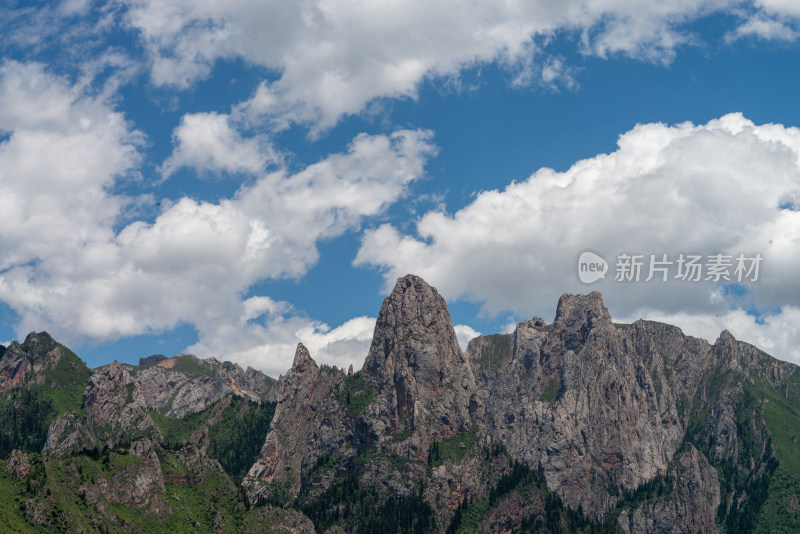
x=26 y=412
x=202 y=498
x=782 y=416
x=235 y=440
x=65 y=383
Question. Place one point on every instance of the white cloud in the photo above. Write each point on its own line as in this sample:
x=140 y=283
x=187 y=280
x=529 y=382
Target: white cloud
x=64 y=149
x=332 y=57
x=465 y=334
x=718 y=187
x=763 y=28
x=65 y=269
x=207 y=142
x=268 y=341
x=787 y=8
x=769 y=20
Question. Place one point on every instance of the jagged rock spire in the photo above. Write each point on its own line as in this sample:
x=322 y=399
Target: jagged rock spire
x=416 y=364
x=302 y=359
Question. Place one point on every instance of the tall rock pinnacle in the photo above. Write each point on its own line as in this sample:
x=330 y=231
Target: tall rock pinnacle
x=309 y=422
x=416 y=366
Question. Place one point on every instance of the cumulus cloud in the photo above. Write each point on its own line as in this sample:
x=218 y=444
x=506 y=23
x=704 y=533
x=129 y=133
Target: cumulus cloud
x=331 y=58
x=65 y=268
x=268 y=341
x=465 y=334
x=787 y=8
x=705 y=189
x=64 y=149
x=206 y=142
x=769 y=20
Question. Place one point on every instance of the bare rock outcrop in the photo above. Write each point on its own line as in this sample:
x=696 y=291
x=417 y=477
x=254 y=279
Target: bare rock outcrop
x=310 y=421
x=580 y=403
x=423 y=381
x=18 y=464
x=688 y=507
x=186 y=384
x=20 y=362
x=115 y=412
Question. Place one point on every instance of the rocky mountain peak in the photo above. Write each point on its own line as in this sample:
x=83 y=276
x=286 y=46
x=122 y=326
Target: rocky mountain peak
x=302 y=360
x=577 y=315
x=578 y=308
x=107 y=391
x=38 y=341
x=33 y=359
x=309 y=422
x=415 y=364
x=43 y=351
x=414 y=311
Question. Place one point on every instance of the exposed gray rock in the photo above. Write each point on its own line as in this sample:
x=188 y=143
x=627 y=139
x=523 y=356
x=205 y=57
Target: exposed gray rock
x=177 y=392
x=588 y=404
x=69 y=434
x=422 y=380
x=310 y=421
x=274 y=520
x=14 y=369
x=148 y=479
x=690 y=507
x=19 y=362
x=115 y=412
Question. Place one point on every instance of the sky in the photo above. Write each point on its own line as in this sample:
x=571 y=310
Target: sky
x=228 y=179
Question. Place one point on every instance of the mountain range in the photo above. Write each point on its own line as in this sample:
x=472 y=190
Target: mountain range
x=581 y=425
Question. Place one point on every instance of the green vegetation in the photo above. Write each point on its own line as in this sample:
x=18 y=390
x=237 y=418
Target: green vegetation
x=398 y=463
x=496 y=351
x=402 y=435
x=358 y=509
x=453 y=448
x=237 y=439
x=199 y=497
x=191 y=367
x=550 y=389
x=11 y=519
x=25 y=416
x=782 y=417
x=553 y=517
x=323 y=464
x=357 y=395
x=176 y=430
x=653 y=490
x=762 y=479
x=64 y=384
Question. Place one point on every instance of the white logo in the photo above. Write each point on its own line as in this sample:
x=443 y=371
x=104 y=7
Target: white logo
x=591 y=267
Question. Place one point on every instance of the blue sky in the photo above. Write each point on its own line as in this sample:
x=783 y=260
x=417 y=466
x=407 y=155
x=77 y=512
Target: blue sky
x=229 y=179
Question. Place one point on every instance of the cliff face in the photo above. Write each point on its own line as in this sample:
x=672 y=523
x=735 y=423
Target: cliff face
x=114 y=411
x=628 y=423
x=36 y=361
x=103 y=450
x=639 y=427
x=310 y=422
x=588 y=403
x=185 y=384
x=421 y=378
x=416 y=390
